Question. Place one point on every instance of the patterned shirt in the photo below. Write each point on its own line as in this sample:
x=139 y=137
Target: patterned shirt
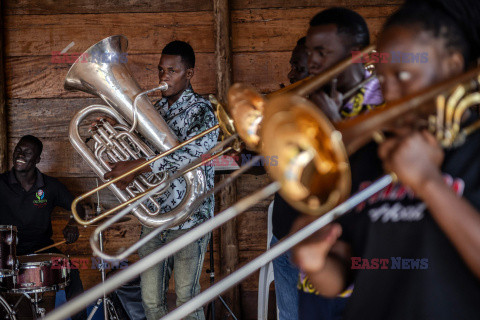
x=190 y=115
x=367 y=98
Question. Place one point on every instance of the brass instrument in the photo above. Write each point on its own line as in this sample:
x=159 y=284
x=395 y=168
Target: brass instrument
x=114 y=84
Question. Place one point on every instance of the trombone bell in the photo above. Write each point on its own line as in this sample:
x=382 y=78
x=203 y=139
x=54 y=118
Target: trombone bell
x=312 y=160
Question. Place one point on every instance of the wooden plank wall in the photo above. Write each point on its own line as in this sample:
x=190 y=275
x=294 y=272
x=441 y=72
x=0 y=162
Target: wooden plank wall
x=263 y=34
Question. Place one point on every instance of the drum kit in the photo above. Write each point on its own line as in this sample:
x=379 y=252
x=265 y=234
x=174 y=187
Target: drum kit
x=28 y=276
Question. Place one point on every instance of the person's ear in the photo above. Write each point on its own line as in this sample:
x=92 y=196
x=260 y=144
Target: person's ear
x=190 y=73
x=454 y=64
x=355 y=48
x=38 y=159
x=350 y=49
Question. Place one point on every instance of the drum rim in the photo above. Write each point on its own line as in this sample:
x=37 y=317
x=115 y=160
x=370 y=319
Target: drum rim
x=40 y=263
x=8 y=227
x=34 y=290
x=37 y=289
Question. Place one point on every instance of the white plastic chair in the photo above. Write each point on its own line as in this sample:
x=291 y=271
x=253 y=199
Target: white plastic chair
x=266 y=274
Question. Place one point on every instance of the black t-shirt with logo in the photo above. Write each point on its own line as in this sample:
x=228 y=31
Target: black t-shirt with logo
x=30 y=211
x=421 y=276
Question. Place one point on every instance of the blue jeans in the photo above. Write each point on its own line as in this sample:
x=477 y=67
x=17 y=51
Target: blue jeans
x=187 y=263
x=286 y=279
x=315 y=307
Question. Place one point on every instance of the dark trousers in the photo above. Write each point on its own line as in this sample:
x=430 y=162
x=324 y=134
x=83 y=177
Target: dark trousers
x=74 y=288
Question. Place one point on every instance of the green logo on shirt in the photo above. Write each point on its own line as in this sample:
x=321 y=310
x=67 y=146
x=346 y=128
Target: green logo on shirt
x=40 y=202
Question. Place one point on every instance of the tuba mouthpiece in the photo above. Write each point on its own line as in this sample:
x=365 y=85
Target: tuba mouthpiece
x=163 y=86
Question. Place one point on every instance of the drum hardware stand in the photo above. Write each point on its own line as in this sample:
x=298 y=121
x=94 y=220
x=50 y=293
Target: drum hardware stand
x=211 y=271
x=37 y=310
x=108 y=309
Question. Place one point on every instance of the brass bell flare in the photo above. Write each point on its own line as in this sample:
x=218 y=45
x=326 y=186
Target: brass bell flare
x=311 y=161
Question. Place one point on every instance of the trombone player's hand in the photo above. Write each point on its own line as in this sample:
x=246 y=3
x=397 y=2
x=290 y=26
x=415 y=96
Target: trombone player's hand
x=331 y=104
x=122 y=167
x=414 y=157
x=323 y=257
x=310 y=254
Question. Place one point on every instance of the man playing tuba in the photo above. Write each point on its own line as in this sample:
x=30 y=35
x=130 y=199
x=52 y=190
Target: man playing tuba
x=187 y=114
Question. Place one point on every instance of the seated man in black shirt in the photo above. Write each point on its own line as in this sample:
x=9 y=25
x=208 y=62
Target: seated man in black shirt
x=27 y=199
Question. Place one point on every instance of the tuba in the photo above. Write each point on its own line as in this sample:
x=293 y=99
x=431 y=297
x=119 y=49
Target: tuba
x=103 y=72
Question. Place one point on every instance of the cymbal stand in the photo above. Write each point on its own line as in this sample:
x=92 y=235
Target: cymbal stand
x=211 y=271
x=109 y=312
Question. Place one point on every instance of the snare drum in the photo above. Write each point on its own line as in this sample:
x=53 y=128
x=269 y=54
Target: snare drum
x=39 y=273
x=8 y=246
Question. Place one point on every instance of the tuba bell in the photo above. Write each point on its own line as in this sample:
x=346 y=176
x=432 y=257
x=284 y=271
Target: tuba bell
x=103 y=72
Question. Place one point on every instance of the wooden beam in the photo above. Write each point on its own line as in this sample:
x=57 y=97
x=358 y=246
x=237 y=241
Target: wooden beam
x=229 y=259
x=3 y=105
x=229 y=255
x=37 y=77
x=25 y=7
x=42 y=7
x=223 y=47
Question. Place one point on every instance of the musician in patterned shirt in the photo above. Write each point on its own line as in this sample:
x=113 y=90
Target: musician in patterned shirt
x=187 y=114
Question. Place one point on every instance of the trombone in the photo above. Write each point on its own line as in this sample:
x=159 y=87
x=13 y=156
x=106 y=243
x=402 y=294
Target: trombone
x=349 y=135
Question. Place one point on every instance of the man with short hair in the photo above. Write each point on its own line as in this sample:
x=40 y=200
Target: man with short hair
x=187 y=114
x=333 y=34
x=298 y=62
x=27 y=199
x=332 y=37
